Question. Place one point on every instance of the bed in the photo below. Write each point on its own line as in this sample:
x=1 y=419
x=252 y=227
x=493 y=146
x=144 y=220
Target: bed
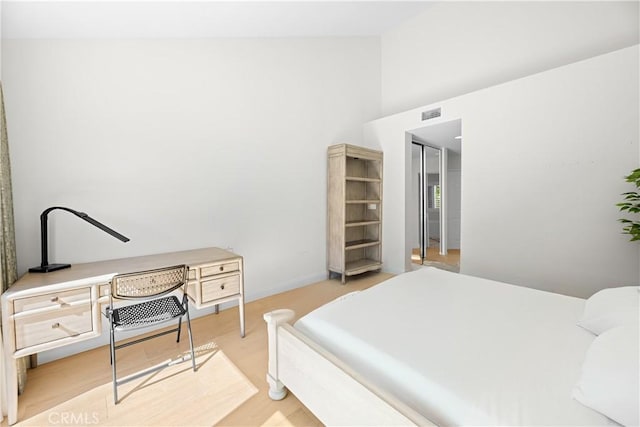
x=431 y=347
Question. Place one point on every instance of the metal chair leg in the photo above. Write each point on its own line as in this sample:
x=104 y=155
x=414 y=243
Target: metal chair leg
x=193 y=355
x=109 y=314
x=112 y=344
x=179 y=328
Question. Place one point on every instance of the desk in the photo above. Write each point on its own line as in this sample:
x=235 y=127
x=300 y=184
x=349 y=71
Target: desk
x=42 y=311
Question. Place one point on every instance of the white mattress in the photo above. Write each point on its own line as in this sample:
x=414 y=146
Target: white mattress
x=462 y=350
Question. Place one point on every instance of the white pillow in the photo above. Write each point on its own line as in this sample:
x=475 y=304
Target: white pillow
x=611 y=307
x=609 y=381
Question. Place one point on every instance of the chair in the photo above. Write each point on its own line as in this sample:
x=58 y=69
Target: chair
x=152 y=288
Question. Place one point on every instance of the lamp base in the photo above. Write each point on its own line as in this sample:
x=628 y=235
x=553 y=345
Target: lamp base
x=49 y=267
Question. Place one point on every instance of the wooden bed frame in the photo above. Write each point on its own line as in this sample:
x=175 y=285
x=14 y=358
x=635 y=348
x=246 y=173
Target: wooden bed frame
x=324 y=384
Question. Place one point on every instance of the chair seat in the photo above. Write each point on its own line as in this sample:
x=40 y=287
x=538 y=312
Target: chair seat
x=147 y=313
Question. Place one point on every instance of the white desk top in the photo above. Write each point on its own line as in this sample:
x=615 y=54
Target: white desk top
x=95 y=270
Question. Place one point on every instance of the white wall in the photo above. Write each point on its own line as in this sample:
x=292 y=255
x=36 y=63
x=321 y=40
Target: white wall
x=453 y=48
x=553 y=149
x=182 y=144
x=454 y=199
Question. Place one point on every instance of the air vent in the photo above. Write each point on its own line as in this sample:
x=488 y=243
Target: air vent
x=431 y=114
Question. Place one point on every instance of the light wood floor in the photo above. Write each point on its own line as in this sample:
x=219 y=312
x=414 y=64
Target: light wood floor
x=60 y=381
x=452 y=259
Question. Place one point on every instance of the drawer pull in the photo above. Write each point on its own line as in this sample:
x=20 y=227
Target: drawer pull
x=54 y=299
x=221 y=268
x=222 y=286
x=55 y=325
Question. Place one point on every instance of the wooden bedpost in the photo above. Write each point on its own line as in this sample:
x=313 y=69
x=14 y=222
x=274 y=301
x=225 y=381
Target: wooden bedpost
x=277 y=391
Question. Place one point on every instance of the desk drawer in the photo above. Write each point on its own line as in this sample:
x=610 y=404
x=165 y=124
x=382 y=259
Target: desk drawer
x=219 y=269
x=53 y=299
x=46 y=327
x=220 y=288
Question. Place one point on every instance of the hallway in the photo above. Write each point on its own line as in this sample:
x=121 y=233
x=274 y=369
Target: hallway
x=450 y=262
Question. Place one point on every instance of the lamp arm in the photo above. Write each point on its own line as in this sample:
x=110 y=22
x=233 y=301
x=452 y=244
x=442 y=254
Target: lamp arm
x=44 y=240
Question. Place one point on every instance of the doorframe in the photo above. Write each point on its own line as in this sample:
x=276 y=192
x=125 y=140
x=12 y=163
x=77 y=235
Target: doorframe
x=446 y=148
x=444 y=205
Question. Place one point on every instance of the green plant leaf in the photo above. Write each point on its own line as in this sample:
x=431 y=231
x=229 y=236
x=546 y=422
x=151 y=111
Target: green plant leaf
x=631 y=205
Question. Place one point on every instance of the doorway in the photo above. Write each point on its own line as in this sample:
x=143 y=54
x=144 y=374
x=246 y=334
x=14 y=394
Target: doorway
x=436 y=171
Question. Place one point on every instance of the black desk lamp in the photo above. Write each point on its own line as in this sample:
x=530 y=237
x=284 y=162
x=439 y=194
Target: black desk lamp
x=45 y=267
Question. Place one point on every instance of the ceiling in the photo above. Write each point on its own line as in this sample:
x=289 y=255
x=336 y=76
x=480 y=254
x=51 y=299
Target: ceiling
x=201 y=19
x=441 y=135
